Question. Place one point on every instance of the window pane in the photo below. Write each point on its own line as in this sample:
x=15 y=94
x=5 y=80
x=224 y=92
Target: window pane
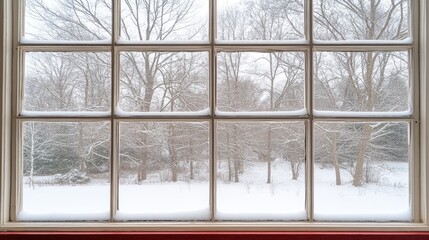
x=251 y=81
x=164 y=171
x=66 y=171
x=260 y=171
x=173 y=20
x=260 y=20
x=361 y=171
x=89 y=20
x=362 y=81
x=67 y=81
x=361 y=20
x=164 y=81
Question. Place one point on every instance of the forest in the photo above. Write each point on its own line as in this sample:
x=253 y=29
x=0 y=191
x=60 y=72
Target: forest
x=256 y=158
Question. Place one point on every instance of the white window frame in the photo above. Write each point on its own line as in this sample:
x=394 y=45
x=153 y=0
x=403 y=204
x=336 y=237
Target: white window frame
x=9 y=58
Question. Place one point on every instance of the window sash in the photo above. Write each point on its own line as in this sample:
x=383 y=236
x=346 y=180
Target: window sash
x=213 y=47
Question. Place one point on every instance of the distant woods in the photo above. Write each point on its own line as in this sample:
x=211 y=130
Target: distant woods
x=162 y=81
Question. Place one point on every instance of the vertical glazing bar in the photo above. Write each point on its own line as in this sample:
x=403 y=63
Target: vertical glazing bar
x=16 y=191
x=19 y=166
x=212 y=101
x=414 y=170
x=5 y=73
x=114 y=126
x=423 y=127
x=19 y=28
x=18 y=132
x=415 y=125
x=115 y=169
x=309 y=105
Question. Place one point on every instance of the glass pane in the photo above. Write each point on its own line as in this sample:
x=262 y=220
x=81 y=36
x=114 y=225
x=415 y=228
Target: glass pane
x=67 y=82
x=164 y=171
x=260 y=171
x=168 y=20
x=164 y=82
x=260 y=20
x=362 y=81
x=341 y=20
x=252 y=81
x=69 y=20
x=361 y=171
x=66 y=171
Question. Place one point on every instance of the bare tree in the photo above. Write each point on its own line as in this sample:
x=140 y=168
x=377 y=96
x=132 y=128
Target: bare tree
x=68 y=20
x=156 y=20
x=272 y=81
x=37 y=144
x=364 y=74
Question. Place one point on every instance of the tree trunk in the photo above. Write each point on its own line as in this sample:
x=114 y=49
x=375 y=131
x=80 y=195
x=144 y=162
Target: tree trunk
x=366 y=132
x=82 y=159
x=229 y=170
x=236 y=155
x=360 y=161
x=191 y=162
x=83 y=166
x=173 y=154
x=32 y=155
x=145 y=107
x=150 y=81
x=268 y=155
x=295 y=170
x=191 y=167
x=335 y=160
x=142 y=173
x=142 y=168
x=228 y=146
x=236 y=175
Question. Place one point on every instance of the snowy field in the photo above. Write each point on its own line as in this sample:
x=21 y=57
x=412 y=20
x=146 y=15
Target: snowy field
x=253 y=199
x=164 y=201
x=249 y=200
x=386 y=200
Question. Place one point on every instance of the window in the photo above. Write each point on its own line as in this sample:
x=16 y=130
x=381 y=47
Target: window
x=199 y=113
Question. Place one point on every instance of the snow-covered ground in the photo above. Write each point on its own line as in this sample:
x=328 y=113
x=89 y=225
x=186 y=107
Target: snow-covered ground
x=249 y=200
x=62 y=203
x=387 y=199
x=164 y=201
x=253 y=199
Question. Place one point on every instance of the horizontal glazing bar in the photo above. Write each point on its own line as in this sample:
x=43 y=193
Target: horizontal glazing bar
x=267 y=117
x=359 y=48
x=260 y=48
x=65 y=48
x=151 y=118
x=161 y=45
x=339 y=114
x=62 y=119
x=207 y=118
x=162 y=48
x=364 y=119
x=64 y=42
x=330 y=44
x=161 y=42
x=123 y=120
x=220 y=225
x=407 y=41
x=65 y=114
x=220 y=47
x=375 y=119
